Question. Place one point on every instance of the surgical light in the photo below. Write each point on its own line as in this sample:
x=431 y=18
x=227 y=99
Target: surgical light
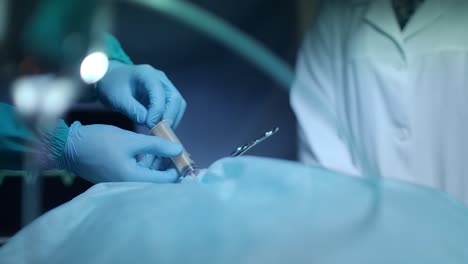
x=94 y=67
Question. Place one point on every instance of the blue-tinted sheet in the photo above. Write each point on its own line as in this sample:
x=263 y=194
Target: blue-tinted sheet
x=250 y=210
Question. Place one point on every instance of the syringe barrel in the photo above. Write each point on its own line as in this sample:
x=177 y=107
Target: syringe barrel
x=183 y=163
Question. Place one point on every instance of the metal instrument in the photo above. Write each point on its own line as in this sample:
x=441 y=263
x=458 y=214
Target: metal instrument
x=242 y=149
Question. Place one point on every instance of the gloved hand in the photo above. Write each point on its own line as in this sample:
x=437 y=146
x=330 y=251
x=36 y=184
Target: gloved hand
x=142 y=93
x=101 y=153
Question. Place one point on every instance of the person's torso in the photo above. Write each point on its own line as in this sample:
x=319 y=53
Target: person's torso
x=402 y=95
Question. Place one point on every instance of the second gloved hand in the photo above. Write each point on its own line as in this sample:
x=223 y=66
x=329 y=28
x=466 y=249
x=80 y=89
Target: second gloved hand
x=142 y=93
x=102 y=153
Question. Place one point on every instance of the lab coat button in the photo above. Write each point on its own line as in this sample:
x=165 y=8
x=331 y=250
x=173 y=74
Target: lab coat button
x=403 y=134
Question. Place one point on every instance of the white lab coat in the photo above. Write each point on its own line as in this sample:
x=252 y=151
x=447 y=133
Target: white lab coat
x=373 y=100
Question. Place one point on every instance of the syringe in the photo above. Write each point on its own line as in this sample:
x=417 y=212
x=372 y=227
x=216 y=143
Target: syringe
x=183 y=163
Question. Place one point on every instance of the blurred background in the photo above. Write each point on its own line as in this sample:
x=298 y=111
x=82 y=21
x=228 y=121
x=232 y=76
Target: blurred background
x=230 y=102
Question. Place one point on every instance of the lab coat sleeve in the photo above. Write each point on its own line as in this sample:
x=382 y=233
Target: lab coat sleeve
x=321 y=141
x=17 y=140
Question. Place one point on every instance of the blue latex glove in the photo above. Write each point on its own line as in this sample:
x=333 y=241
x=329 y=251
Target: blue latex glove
x=142 y=93
x=101 y=153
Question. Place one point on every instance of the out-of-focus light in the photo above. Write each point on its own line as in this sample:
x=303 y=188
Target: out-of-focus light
x=25 y=96
x=58 y=98
x=43 y=96
x=94 y=67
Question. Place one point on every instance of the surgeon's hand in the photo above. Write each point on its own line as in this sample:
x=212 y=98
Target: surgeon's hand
x=142 y=93
x=102 y=153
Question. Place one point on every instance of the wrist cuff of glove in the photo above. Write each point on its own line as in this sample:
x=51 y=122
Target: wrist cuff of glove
x=63 y=162
x=52 y=145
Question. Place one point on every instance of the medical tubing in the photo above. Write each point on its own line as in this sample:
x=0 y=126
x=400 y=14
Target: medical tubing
x=226 y=34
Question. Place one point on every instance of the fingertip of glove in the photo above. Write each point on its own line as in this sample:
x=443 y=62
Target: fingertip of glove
x=152 y=119
x=150 y=124
x=177 y=148
x=173 y=149
x=141 y=116
x=169 y=121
